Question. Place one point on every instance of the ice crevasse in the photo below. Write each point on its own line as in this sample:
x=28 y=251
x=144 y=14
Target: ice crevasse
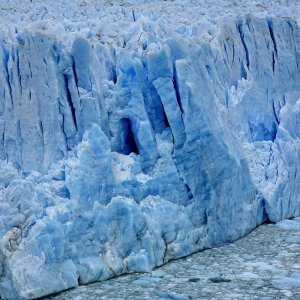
x=119 y=158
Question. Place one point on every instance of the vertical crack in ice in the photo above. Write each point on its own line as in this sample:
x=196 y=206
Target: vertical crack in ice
x=75 y=75
x=41 y=127
x=271 y=31
x=205 y=220
x=275 y=53
x=7 y=76
x=69 y=99
x=133 y=15
x=176 y=87
x=275 y=114
x=19 y=141
x=273 y=62
x=240 y=30
x=18 y=70
x=233 y=54
x=167 y=124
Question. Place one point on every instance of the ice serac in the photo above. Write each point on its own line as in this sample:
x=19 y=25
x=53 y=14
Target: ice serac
x=118 y=157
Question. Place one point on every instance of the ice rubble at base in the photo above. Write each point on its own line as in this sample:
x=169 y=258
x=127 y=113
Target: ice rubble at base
x=119 y=157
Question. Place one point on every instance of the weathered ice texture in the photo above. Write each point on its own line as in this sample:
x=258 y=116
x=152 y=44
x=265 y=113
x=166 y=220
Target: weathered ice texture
x=118 y=158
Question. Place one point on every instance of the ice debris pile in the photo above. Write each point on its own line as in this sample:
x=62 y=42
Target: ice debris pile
x=121 y=152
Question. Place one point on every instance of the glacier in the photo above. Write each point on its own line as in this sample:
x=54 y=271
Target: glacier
x=119 y=153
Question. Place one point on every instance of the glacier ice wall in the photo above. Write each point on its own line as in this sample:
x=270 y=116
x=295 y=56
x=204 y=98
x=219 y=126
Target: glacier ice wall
x=118 y=158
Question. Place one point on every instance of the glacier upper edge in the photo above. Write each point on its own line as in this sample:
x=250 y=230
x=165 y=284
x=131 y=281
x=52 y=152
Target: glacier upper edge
x=117 y=159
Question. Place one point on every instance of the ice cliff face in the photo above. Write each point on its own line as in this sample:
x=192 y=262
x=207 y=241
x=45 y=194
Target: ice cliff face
x=118 y=158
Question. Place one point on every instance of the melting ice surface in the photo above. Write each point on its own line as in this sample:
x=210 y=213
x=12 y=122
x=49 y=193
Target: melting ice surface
x=131 y=137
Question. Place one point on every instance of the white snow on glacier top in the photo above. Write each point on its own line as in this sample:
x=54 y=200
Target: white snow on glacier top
x=117 y=21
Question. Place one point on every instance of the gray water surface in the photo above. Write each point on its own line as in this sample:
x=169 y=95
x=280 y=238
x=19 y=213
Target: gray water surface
x=263 y=265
